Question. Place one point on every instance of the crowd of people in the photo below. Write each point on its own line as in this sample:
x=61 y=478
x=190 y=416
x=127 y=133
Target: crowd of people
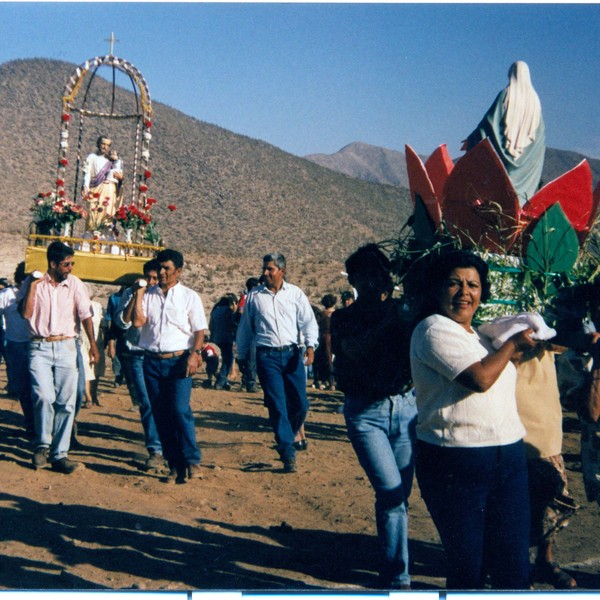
x=474 y=414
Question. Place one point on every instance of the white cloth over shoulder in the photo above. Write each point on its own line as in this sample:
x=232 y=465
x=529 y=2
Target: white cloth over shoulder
x=501 y=329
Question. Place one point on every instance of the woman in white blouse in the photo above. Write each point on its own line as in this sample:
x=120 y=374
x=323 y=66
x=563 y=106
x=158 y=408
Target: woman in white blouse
x=470 y=461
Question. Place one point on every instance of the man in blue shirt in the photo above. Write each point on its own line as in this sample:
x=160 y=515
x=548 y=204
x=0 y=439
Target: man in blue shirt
x=277 y=317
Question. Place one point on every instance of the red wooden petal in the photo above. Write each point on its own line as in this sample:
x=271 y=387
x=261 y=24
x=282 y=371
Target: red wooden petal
x=438 y=166
x=573 y=190
x=419 y=183
x=480 y=204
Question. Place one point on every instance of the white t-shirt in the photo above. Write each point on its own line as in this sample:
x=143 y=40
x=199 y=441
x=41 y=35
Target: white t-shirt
x=449 y=413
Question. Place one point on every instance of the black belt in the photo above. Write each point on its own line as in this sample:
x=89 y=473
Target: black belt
x=276 y=348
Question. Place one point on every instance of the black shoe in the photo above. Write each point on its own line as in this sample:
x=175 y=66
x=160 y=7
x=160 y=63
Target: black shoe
x=175 y=476
x=301 y=445
x=40 y=458
x=66 y=466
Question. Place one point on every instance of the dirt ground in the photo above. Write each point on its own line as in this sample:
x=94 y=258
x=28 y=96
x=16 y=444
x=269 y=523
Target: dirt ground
x=244 y=526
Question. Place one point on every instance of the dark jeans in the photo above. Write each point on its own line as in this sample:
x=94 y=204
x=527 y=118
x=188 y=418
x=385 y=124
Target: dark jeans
x=479 y=501
x=132 y=364
x=226 y=363
x=19 y=380
x=249 y=370
x=283 y=380
x=169 y=391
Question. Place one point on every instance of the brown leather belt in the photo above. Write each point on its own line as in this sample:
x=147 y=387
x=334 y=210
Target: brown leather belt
x=164 y=355
x=53 y=338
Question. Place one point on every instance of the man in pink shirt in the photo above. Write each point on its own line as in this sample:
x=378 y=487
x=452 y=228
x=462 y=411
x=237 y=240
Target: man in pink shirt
x=55 y=306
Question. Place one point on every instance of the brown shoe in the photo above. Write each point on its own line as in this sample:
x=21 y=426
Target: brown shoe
x=194 y=471
x=40 y=458
x=155 y=462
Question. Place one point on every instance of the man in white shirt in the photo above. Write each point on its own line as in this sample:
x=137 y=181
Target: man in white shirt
x=172 y=321
x=275 y=315
x=17 y=347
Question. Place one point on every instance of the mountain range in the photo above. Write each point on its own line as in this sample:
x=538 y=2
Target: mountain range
x=235 y=196
x=381 y=165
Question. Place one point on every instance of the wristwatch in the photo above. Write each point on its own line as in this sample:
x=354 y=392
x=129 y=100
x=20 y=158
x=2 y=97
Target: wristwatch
x=198 y=351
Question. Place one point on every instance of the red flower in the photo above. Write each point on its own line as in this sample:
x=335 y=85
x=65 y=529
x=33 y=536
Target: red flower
x=64 y=162
x=66 y=117
x=143 y=188
x=96 y=194
x=148 y=123
x=60 y=182
x=171 y=207
x=147 y=174
x=61 y=193
x=151 y=201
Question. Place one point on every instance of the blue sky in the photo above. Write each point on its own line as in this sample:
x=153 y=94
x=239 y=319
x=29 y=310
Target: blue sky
x=311 y=78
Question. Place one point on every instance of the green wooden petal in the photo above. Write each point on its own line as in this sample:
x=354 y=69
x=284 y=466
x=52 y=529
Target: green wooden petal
x=553 y=246
x=423 y=226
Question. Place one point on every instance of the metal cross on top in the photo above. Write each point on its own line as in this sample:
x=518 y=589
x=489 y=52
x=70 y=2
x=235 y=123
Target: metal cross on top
x=112 y=41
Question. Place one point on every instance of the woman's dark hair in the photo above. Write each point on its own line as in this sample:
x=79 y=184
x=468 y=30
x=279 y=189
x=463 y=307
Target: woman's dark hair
x=371 y=260
x=432 y=273
x=329 y=300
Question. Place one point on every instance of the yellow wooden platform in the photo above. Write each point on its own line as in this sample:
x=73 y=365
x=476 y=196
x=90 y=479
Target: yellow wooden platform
x=97 y=263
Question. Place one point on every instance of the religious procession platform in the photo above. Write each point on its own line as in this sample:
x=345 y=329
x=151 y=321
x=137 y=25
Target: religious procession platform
x=96 y=261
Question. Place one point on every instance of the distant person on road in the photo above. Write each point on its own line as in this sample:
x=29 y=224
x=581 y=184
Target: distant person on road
x=222 y=325
x=248 y=366
x=276 y=314
x=323 y=365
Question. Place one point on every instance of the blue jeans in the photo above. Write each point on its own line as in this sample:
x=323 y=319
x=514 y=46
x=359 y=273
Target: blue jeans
x=169 y=391
x=132 y=364
x=383 y=436
x=249 y=373
x=53 y=369
x=283 y=380
x=19 y=380
x=479 y=501
x=226 y=363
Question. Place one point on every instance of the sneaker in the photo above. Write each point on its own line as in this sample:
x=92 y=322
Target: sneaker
x=289 y=465
x=155 y=462
x=40 y=458
x=66 y=466
x=194 y=471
